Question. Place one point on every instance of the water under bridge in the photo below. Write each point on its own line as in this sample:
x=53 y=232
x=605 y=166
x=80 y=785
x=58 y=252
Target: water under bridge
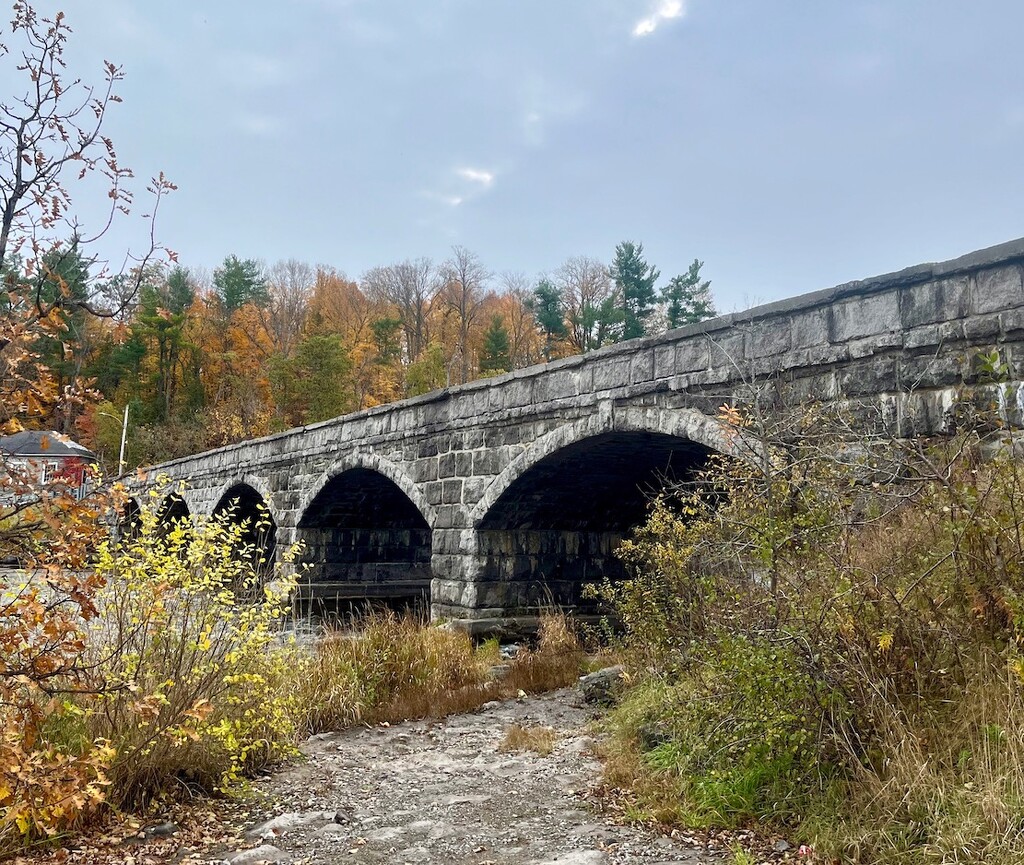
x=493 y=498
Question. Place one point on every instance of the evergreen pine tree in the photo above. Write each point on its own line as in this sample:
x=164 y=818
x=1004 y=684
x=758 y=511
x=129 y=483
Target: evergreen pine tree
x=495 y=357
x=549 y=311
x=634 y=280
x=240 y=281
x=688 y=298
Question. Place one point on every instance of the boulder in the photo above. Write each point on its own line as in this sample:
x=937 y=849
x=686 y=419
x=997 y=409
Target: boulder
x=603 y=687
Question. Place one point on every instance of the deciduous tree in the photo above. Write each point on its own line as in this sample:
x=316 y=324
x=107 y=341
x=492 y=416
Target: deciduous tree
x=465 y=281
x=586 y=290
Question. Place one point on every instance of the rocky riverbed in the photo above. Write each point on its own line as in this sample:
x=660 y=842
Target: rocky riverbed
x=429 y=792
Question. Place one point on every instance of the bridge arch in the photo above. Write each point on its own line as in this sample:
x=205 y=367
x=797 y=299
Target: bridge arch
x=688 y=424
x=367 y=535
x=129 y=520
x=243 y=502
x=551 y=522
x=173 y=509
x=257 y=484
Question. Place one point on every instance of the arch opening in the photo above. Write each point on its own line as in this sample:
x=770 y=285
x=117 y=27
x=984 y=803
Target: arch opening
x=245 y=507
x=366 y=544
x=173 y=510
x=129 y=521
x=556 y=527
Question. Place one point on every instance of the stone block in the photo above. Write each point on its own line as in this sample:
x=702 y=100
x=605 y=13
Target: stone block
x=926 y=336
x=432 y=492
x=485 y=463
x=425 y=470
x=940 y=300
x=693 y=354
x=930 y=371
x=585 y=378
x=1012 y=321
x=446 y=465
x=518 y=392
x=451 y=492
x=865 y=316
x=473 y=490
x=641 y=368
x=924 y=413
x=816 y=387
x=869 y=376
x=809 y=327
x=768 y=338
x=451 y=515
x=982 y=327
x=611 y=373
x=997 y=289
x=728 y=350
x=464 y=463
x=881 y=342
x=664 y=360
x=560 y=384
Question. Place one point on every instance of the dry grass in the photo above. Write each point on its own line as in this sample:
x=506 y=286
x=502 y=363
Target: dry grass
x=396 y=669
x=517 y=738
x=555 y=663
x=951 y=788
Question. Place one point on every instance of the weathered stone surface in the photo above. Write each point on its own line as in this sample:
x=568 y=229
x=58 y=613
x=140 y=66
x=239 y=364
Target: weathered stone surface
x=603 y=687
x=257 y=856
x=998 y=288
x=503 y=495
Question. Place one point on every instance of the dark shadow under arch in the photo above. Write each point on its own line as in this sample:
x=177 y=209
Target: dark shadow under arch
x=244 y=506
x=129 y=521
x=173 y=509
x=557 y=526
x=365 y=542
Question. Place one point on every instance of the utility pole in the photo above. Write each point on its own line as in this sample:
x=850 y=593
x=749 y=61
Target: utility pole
x=124 y=436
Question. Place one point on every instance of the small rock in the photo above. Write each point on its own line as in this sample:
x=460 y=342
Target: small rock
x=331 y=829
x=578 y=857
x=781 y=846
x=603 y=687
x=257 y=856
x=287 y=822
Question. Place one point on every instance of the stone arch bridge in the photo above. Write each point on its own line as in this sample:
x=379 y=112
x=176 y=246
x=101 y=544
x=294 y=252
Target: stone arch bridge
x=496 y=497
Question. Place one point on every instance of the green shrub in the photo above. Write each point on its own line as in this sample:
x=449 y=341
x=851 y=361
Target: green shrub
x=732 y=740
x=826 y=635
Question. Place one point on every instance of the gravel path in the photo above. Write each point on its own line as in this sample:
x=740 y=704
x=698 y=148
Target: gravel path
x=442 y=792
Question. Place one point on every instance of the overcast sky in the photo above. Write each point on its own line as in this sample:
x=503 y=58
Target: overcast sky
x=789 y=145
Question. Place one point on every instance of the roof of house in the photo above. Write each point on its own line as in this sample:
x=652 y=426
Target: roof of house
x=40 y=443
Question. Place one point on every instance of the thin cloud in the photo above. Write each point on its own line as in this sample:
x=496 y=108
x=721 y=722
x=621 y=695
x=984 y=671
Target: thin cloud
x=665 y=10
x=447 y=200
x=476 y=175
x=461 y=185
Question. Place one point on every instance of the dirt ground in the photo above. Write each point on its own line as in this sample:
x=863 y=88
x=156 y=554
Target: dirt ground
x=442 y=792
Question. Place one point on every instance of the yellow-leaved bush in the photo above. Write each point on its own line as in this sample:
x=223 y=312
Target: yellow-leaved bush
x=194 y=691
